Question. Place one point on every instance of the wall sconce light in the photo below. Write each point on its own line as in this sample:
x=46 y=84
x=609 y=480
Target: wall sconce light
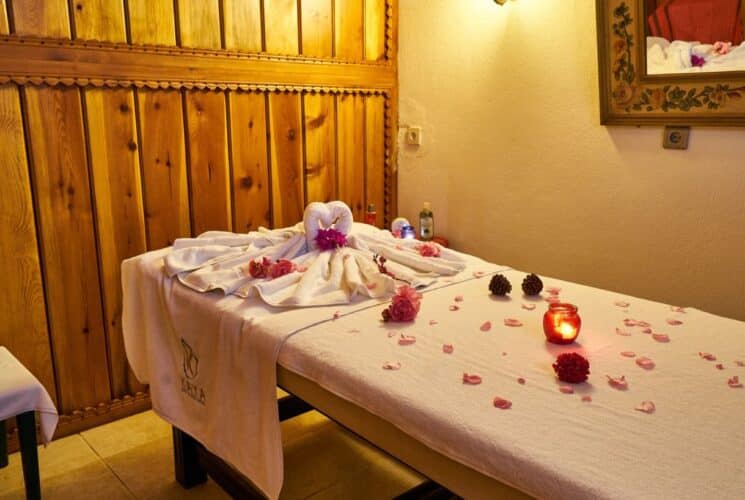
x=500 y=2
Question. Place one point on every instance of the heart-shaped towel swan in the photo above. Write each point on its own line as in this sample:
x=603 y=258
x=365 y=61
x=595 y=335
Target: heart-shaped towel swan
x=334 y=214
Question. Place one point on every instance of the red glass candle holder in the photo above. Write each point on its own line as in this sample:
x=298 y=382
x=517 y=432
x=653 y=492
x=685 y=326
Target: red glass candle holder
x=561 y=323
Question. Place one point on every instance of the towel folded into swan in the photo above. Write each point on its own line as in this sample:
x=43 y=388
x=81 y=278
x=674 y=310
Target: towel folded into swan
x=219 y=260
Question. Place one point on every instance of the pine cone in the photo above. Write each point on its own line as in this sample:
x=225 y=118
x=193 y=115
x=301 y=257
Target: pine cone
x=532 y=285
x=499 y=285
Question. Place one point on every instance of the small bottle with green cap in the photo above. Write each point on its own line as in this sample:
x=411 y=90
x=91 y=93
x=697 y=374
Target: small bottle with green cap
x=426 y=223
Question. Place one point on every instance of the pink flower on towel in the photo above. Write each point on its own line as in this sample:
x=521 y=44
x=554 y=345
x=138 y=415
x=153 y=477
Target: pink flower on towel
x=429 y=250
x=329 y=239
x=404 y=305
x=697 y=61
x=258 y=268
x=280 y=268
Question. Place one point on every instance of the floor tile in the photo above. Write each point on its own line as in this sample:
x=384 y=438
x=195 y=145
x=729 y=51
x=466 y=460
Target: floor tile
x=121 y=435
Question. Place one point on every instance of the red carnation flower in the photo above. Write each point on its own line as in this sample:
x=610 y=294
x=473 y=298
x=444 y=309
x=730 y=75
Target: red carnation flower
x=404 y=305
x=280 y=268
x=572 y=367
x=258 y=268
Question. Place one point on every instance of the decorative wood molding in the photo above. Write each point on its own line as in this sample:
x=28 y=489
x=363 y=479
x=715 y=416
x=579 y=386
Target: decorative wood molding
x=47 y=61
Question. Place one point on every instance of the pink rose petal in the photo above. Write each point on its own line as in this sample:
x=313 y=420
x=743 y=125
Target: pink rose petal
x=678 y=309
x=458 y=298
x=587 y=398
x=618 y=382
x=512 y=322
x=646 y=407
x=661 y=337
x=647 y=330
x=628 y=354
x=707 y=356
x=566 y=389
x=447 y=348
x=453 y=307
x=485 y=326
x=623 y=333
x=734 y=382
x=478 y=274
x=643 y=324
x=372 y=286
x=471 y=379
x=337 y=314
x=673 y=321
x=740 y=363
x=520 y=380
x=719 y=366
x=630 y=322
x=552 y=299
x=502 y=404
x=406 y=339
x=621 y=303
x=391 y=366
x=553 y=290
x=432 y=322
x=645 y=363
x=528 y=306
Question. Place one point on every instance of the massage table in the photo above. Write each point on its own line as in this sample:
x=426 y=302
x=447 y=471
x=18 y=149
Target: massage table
x=592 y=443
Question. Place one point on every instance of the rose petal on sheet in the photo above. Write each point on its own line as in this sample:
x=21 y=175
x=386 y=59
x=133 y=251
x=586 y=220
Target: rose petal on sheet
x=391 y=366
x=587 y=398
x=645 y=363
x=618 y=382
x=621 y=303
x=707 y=356
x=673 y=321
x=553 y=290
x=528 y=306
x=623 y=333
x=566 y=389
x=502 y=404
x=643 y=324
x=661 y=337
x=630 y=322
x=552 y=299
x=740 y=363
x=485 y=326
x=337 y=314
x=719 y=366
x=647 y=330
x=406 y=339
x=678 y=309
x=372 y=286
x=453 y=307
x=628 y=354
x=458 y=298
x=447 y=348
x=432 y=322
x=646 y=407
x=520 y=380
x=471 y=379
x=478 y=274
x=734 y=382
x=512 y=322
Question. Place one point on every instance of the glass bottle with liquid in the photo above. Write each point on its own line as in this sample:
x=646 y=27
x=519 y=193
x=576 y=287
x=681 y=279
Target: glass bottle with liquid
x=426 y=223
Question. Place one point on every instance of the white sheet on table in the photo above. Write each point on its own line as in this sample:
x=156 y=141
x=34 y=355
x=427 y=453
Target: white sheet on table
x=21 y=392
x=549 y=444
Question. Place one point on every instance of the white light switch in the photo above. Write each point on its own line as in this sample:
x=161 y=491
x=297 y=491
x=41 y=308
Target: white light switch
x=414 y=136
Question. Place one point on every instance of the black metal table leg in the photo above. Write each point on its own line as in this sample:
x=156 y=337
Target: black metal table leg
x=3 y=445
x=29 y=456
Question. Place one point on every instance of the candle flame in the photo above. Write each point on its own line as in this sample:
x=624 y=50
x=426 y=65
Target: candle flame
x=567 y=331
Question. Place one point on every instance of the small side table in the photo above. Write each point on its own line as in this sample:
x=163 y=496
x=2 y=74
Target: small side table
x=21 y=396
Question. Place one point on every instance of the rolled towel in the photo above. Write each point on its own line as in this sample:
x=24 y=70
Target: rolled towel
x=335 y=214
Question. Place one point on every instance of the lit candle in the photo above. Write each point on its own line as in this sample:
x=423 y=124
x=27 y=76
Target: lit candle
x=561 y=323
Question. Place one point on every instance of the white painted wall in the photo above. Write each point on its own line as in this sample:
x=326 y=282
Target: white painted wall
x=520 y=172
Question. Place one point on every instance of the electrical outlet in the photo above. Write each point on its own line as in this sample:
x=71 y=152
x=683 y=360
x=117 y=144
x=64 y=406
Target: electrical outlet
x=414 y=136
x=675 y=137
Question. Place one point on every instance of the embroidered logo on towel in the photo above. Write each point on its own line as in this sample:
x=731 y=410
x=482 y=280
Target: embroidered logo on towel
x=190 y=367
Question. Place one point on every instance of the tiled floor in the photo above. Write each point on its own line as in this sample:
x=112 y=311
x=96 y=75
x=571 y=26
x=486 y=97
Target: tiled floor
x=132 y=458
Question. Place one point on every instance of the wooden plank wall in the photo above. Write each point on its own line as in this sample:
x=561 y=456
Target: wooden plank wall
x=97 y=169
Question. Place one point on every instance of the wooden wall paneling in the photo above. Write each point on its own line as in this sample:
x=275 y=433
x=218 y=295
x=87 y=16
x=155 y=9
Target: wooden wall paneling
x=23 y=328
x=320 y=147
x=4 y=28
x=199 y=23
x=115 y=169
x=281 y=26
x=41 y=18
x=152 y=22
x=163 y=166
x=242 y=20
x=375 y=154
x=351 y=152
x=208 y=161
x=251 y=188
x=375 y=17
x=285 y=128
x=62 y=194
x=317 y=28
x=348 y=29
x=99 y=20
